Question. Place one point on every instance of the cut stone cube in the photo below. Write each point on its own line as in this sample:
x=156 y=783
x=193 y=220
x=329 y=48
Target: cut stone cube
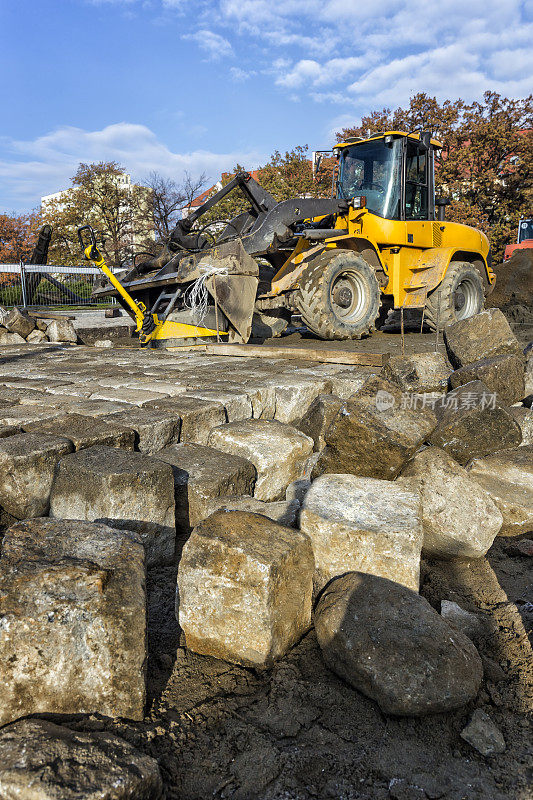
x=198 y=417
x=121 y=488
x=72 y=605
x=245 y=586
x=27 y=465
x=363 y=525
x=152 y=429
x=484 y=335
x=279 y=452
x=85 y=432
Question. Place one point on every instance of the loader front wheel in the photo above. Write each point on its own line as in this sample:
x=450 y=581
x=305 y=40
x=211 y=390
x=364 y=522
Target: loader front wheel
x=459 y=295
x=339 y=296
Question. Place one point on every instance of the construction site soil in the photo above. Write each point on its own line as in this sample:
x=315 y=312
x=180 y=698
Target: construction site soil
x=297 y=731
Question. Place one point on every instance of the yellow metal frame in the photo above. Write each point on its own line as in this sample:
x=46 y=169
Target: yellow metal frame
x=167 y=329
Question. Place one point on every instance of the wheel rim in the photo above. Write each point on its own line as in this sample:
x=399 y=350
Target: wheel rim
x=348 y=296
x=465 y=298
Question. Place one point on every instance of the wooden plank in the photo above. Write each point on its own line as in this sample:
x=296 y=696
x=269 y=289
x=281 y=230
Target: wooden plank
x=301 y=353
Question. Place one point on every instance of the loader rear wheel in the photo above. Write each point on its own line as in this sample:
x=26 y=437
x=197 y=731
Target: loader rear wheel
x=339 y=296
x=460 y=295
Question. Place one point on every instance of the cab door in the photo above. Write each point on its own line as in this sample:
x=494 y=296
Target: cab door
x=418 y=195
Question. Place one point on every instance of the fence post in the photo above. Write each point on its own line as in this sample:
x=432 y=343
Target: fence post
x=23 y=282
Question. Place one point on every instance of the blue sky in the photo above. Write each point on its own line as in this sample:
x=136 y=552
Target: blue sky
x=197 y=85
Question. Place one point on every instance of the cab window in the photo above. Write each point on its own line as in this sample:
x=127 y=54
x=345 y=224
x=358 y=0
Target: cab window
x=416 y=183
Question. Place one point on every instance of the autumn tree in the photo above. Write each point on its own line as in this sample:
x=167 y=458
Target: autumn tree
x=120 y=212
x=486 y=164
x=18 y=235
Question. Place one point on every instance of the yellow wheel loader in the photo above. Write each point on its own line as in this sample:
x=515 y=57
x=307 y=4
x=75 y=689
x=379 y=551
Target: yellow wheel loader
x=381 y=242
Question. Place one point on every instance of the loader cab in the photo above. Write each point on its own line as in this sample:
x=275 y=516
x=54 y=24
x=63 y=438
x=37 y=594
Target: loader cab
x=393 y=171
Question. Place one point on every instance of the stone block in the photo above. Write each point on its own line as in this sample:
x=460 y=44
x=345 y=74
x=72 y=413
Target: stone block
x=27 y=465
x=121 y=488
x=36 y=337
x=418 y=372
x=245 y=586
x=202 y=474
x=347 y=382
x=198 y=417
x=502 y=375
x=7 y=338
x=72 y=605
x=484 y=335
x=483 y=735
x=135 y=397
x=283 y=511
x=473 y=423
x=373 y=435
x=43 y=761
x=18 y=322
x=459 y=518
x=61 y=330
x=318 y=418
x=279 y=452
x=389 y=643
x=295 y=393
x=152 y=429
x=363 y=525
x=85 y=432
x=508 y=478
x=237 y=405
x=524 y=417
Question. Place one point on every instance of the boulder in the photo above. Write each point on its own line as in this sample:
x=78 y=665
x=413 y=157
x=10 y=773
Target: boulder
x=374 y=433
x=152 y=429
x=201 y=475
x=484 y=335
x=502 y=375
x=198 y=417
x=319 y=417
x=18 y=322
x=389 y=643
x=245 y=587
x=459 y=518
x=507 y=476
x=278 y=452
x=72 y=604
x=36 y=337
x=8 y=338
x=27 y=465
x=61 y=330
x=283 y=511
x=418 y=372
x=43 y=761
x=483 y=735
x=364 y=525
x=124 y=489
x=473 y=423
x=85 y=431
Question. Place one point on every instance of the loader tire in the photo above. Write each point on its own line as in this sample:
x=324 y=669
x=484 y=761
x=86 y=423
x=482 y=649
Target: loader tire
x=339 y=296
x=460 y=295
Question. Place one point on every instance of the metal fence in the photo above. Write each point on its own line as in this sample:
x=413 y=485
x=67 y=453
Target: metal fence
x=38 y=285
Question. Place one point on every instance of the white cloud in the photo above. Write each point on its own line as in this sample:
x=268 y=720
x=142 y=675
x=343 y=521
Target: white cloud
x=215 y=45
x=30 y=169
x=312 y=73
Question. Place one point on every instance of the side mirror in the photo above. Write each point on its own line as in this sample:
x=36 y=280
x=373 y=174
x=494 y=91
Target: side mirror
x=425 y=140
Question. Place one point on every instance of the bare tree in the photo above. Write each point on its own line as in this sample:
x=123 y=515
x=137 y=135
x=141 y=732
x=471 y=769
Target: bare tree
x=169 y=198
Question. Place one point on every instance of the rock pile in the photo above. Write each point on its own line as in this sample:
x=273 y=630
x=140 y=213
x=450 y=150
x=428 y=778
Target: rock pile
x=281 y=503
x=19 y=328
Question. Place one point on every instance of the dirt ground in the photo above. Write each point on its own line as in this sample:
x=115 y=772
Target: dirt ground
x=298 y=732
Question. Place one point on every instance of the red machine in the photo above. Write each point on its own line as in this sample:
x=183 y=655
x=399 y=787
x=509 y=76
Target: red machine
x=524 y=240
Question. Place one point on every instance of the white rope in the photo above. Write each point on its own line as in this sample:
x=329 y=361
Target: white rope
x=196 y=297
